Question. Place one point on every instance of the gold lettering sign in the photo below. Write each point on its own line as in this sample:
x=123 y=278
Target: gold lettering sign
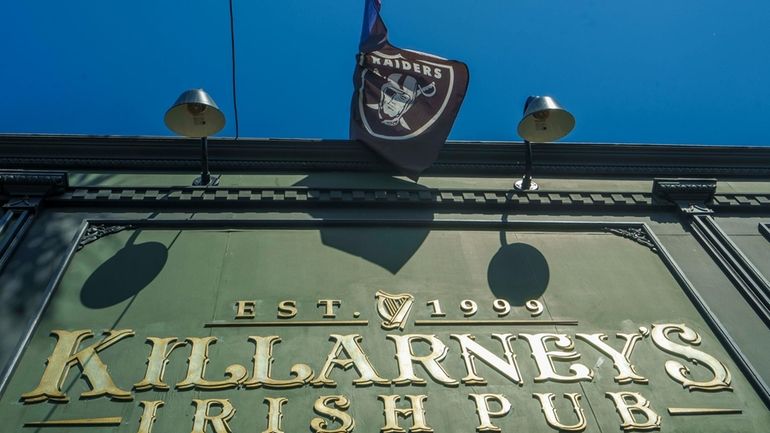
x=415 y=360
x=375 y=330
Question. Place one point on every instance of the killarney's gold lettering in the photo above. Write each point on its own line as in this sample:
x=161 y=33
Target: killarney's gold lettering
x=156 y=363
x=329 y=305
x=149 y=414
x=406 y=359
x=416 y=411
x=263 y=362
x=549 y=410
x=485 y=412
x=66 y=355
x=245 y=309
x=334 y=407
x=681 y=373
x=631 y=404
x=196 y=368
x=544 y=358
x=287 y=309
x=622 y=360
x=349 y=344
x=472 y=350
x=274 y=414
x=203 y=419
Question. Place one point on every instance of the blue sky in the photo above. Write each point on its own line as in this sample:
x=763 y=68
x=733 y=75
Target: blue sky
x=656 y=71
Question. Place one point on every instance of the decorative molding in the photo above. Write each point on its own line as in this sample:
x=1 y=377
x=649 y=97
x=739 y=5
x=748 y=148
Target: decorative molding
x=22 y=204
x=730 y=201
x=32 y=178
x=692 y=196
x=14 y=225
x=702 y=189
x=636 y=234
x=425 y=197
x=340 y=197
x=695 y=209
x=764 y=228
x=18 y=216
x=686 y=193
x=439 y=168
x=98 y=231
x=32 y=183
x=736 y=266
x=303 y=155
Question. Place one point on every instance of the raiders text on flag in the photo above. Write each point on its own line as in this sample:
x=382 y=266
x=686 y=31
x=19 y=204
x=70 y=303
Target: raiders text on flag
x=405 y=102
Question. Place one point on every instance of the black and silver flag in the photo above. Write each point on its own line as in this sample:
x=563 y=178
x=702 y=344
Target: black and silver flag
x=405 y=102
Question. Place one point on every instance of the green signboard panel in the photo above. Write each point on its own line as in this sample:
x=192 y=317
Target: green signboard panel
x=376 y=328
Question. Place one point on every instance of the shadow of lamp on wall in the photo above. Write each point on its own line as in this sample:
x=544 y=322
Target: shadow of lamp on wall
x=196 y=115
x=125 y=274
x=518 y=272
x=544 y=121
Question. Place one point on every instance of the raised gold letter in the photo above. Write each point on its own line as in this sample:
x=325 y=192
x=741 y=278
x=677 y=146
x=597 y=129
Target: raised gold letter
x=196 y=368
x=356 y=358
x=543 y=358
x=245 y=309
x=679 y=372
x=546 y=404
x=333 y=407
x=417 y=412
x=156 y=363
x=471 y=350
x=483 y=409
x=263 y=362
x=218 y=422
x=148 y=415
x=638 y=405
x=329 y=305
x=287 y=309
x=406 y=357
x=64 y=357
x=274 y=414
x=622 y=359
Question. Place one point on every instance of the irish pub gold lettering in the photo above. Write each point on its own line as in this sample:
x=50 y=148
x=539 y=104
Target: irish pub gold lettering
x=485 y=412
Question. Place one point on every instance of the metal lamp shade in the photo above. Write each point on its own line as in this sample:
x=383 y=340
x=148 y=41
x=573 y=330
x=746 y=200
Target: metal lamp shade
x=195 y=114
x=544 y=120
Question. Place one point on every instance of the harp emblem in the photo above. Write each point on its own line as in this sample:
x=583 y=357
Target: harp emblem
x=393 y=309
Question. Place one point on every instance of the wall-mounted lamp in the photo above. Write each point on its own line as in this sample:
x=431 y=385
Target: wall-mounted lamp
x=544 y=121
x=196 y=115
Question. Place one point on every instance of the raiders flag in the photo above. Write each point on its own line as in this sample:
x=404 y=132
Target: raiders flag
x=404 y=102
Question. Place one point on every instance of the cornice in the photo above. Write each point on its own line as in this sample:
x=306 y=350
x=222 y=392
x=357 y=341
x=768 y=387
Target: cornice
x=456 y=158
x=32 y=183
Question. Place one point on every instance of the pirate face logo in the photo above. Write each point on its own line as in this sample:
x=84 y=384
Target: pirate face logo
x=397 y=96
x=403 y=93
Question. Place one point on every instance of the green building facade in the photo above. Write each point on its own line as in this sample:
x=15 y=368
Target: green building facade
x=314 y=290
